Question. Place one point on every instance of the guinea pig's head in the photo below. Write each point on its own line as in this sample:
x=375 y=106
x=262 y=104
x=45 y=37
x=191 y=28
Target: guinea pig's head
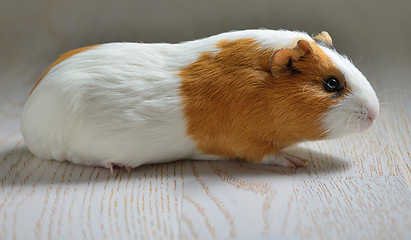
x=324 y=94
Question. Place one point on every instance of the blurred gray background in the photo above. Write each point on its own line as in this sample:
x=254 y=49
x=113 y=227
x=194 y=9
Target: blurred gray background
x=374 y=34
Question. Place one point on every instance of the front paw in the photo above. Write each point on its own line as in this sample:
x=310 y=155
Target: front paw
x=284 y=159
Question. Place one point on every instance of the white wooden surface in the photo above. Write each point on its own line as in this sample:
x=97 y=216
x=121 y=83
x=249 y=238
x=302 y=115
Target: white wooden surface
x=357 y=187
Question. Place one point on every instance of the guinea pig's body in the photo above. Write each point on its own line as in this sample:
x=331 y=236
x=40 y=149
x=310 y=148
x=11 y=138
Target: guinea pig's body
x=245 y=94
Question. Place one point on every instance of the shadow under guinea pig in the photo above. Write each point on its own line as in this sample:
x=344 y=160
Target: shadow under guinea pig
x=320 y=164
x=20 y=167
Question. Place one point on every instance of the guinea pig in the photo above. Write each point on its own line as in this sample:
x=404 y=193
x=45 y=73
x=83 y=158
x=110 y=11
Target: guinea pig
x=237 y=95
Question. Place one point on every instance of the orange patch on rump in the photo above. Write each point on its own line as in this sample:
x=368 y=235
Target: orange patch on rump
x=62 y=57
x=237 y=106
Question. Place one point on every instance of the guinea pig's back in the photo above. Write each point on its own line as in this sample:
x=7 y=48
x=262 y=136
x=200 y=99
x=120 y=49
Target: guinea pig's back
x=114 y=102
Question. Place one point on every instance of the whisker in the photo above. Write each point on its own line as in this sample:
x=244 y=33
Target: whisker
x=325 y=131
x=361 y=56
x=358 y=127
x=348 y=122
x=337 y=124
x=385 y=103
x=393 y=89
x=392 y=99
x=383 y=109
x=305 y=87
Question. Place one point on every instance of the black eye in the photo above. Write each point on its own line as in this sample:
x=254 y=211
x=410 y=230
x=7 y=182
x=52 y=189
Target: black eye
x=332 y=84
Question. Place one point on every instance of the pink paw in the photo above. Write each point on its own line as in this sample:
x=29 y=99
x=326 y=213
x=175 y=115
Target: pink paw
x=111 y=167
x=285 y=159
x=294 y=160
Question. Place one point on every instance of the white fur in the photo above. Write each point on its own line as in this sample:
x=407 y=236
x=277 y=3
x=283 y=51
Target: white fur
x=119 y=102
x=351 y=114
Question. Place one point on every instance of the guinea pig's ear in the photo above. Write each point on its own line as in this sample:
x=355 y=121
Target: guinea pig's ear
x=324 y=38
x=282 y=60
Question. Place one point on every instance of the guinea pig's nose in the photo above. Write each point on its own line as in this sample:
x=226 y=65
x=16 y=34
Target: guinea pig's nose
x=371 y=117
x=371 y=112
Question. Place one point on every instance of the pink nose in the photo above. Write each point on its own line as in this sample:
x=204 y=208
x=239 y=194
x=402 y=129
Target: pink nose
x=372 y=114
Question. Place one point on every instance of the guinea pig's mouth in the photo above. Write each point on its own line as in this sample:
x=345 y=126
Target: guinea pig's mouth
x=364 y=124
x=366 y=117
x=341 y=121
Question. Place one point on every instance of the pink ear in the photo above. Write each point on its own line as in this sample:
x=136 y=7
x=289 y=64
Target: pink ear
x=283 y=57
x=304 y=47
x=325 y=38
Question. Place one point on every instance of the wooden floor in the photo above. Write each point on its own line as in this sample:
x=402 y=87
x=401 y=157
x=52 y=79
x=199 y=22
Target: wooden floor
x=357 y=187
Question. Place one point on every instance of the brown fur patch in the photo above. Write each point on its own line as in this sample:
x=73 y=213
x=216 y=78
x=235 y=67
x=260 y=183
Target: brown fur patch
x=235 y=108
x=62 y=57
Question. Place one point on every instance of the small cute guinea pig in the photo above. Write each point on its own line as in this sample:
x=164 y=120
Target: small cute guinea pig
x=237 y=95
